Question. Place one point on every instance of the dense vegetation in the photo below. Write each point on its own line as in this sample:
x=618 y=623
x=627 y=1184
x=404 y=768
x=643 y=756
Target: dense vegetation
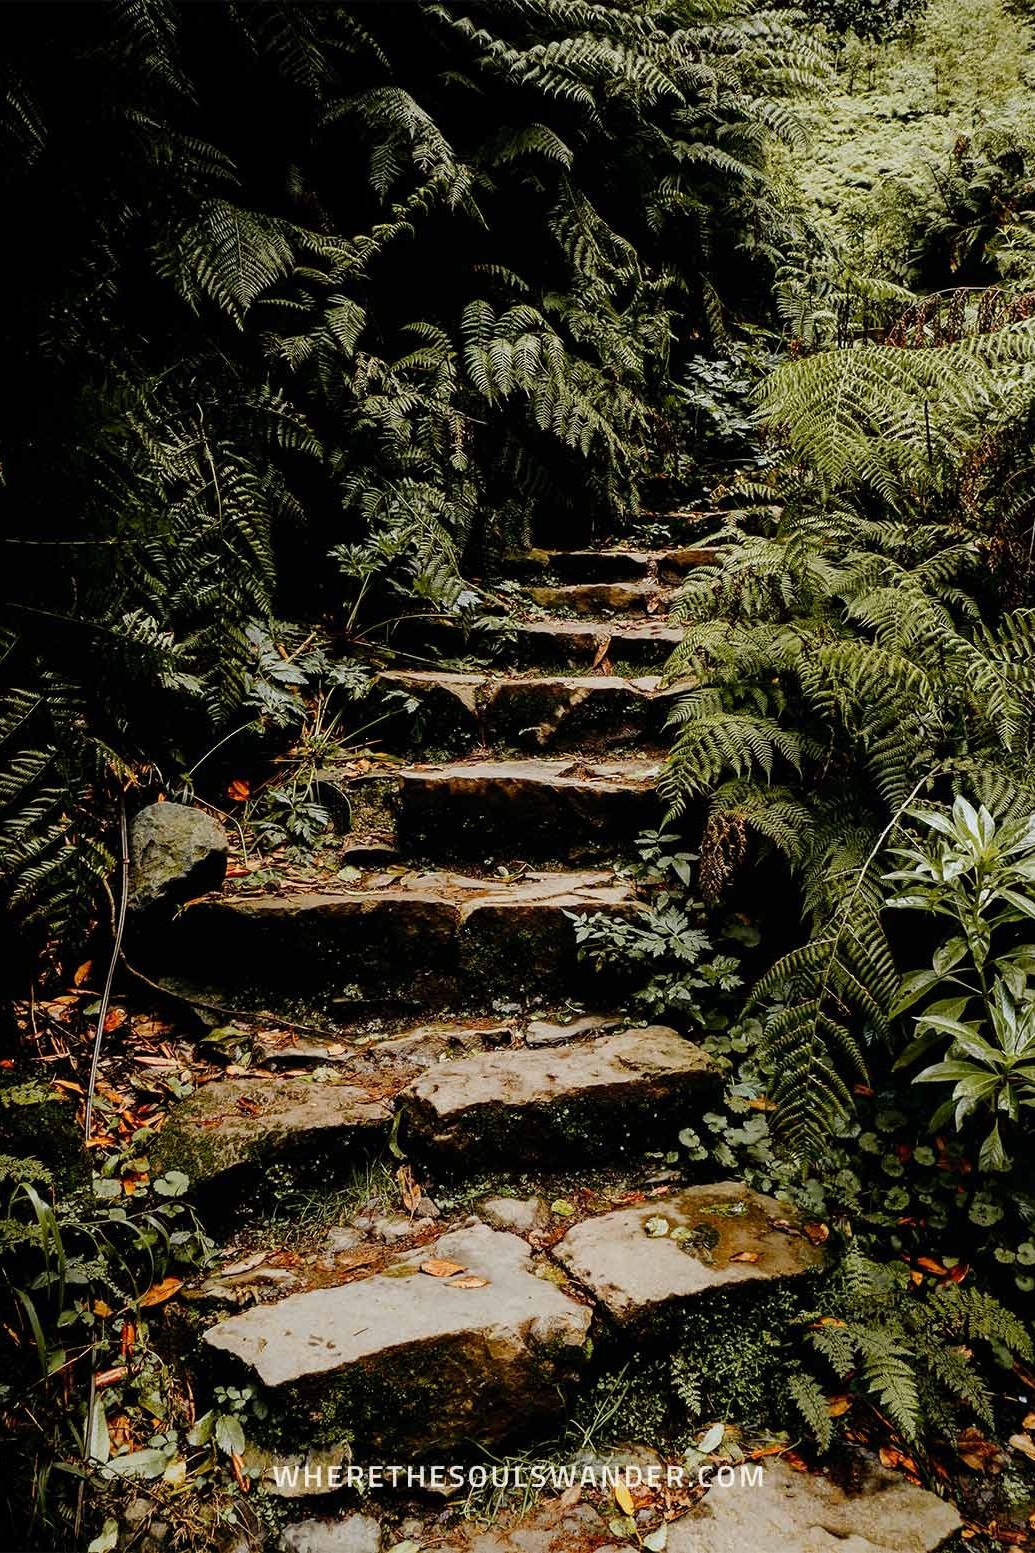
x=293 y=360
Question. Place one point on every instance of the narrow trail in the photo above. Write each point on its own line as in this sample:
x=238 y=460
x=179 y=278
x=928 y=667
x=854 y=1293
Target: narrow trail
x=540 y=1245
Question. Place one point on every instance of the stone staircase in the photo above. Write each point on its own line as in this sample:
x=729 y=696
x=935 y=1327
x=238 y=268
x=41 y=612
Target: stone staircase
x=463 y=1030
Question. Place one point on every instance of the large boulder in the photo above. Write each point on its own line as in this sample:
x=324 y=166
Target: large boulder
x=176 y=852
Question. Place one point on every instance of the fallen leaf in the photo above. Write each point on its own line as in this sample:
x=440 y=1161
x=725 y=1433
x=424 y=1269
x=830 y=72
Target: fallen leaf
x=158 y=1293
x=838 y=1406
x=601 y=652
x=746 y=1256
x=563 y=1207
x=239 y=790
x=817 y=1233
x=1028 y=1421
x=411 y=1192
x=243 y=1480
x=245 y=1266
x=711 y=1440
x=1024 y=1444
x=82 y=973
x=438 y=1267
x=101 y=1308
x=470 y=1282
x=929 y=1265
x=624 y=1499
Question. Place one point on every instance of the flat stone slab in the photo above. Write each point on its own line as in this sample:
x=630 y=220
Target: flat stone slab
x=232 y=1124
x=589 y=711
x=799 y=1512
x=714 y=1236
x=594 y=1099
x=596 y=598
x=646 y=645
x=430 y=939
x=534 y=808
x=618 y=565
x=417 y=1362
x=788 y=1512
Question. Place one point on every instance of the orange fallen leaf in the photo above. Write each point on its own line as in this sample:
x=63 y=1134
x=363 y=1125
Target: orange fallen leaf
x=624 y=1499
x=828 y=1321
x=108 y=1378
x=411 y=1192
x=82 y=973
x=470 y=1282
x=239 y=790
x=745 y=1256
x=115 y=1019
x=101 y=1308
x=243 y=1481
x=438 y=1267
x=838 y=1406
x=817 y=1233
x=762 y=1103
x=158 y=1293
x=929 y=1265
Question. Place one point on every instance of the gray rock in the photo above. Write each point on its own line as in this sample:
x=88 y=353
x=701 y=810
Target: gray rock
x=298 y=1477
x=796 y=1512
x=540 y=808
x=522 y=1216
x=176 y=853
x=593 y=1099
x=235 y=1123
x=354 y=1534
x=543 y=1032
x=730 y=1235
x=789 y=1512
x=436 y=939
x=416 y=1363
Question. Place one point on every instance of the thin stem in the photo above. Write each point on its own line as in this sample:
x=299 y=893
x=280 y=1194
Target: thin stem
x=120 y=927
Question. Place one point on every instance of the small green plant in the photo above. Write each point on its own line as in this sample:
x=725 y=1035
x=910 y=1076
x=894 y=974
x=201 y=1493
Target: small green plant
x=668 y=946
x=980 y=875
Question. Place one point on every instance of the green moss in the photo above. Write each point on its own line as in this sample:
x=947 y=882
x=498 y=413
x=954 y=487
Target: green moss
x=36 y=1122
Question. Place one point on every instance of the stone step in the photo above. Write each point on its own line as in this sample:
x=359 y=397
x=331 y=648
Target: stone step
x=590 y=711
x=602 y=598
x=646 y=1262
x=856 y=1506
x=591 y=1100
x=645 y=644
x=618 y=565
x=546 y=1077
x=526 y=808
x=406 y=1364
x=228 y=1132
x=426 y=939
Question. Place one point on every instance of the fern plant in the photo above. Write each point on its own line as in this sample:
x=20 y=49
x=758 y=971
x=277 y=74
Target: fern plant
x=432 y=302
x=844 y=666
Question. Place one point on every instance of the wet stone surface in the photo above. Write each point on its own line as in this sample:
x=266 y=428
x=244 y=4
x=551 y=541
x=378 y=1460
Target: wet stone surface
x=640 y=1261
